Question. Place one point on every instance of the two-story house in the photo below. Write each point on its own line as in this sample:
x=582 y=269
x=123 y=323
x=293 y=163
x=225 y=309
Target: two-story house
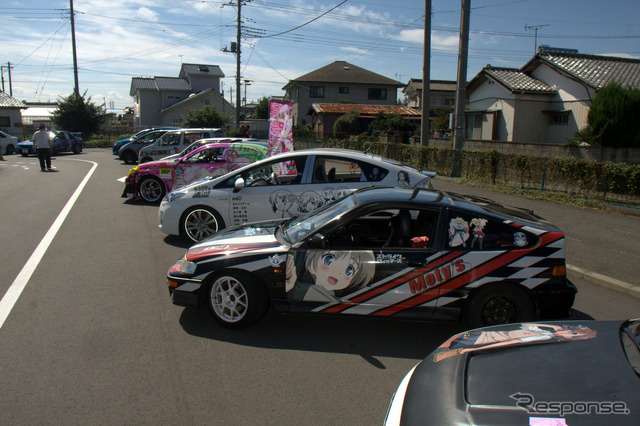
x=442 y=93
x=545 y=101
x=339 y=82
x=10 y=118
x=164 y=101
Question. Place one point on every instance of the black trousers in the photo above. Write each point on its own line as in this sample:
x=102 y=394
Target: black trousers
x=44 y=155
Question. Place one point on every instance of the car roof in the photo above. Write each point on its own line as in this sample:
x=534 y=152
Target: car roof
x=415 y=197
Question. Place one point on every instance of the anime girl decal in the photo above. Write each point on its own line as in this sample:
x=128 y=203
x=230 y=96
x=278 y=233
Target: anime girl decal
x=309 y=201
x=478 y=225
x=458 y=232
x=403 y=178
x=476 y=340
x=330 y=275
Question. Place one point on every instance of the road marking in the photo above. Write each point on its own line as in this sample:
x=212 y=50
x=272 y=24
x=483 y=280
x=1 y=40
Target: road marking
x=15 y=290
x=604 y=281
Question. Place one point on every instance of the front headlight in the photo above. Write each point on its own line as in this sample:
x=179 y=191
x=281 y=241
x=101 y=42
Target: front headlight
x=187 y=267
x=175 y=195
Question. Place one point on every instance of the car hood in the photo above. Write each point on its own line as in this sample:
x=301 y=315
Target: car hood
x=250 y=239
x=156 y=164
x=492 y=386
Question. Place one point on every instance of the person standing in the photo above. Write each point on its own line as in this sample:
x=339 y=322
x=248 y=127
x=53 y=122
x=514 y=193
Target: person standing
x=42 y=143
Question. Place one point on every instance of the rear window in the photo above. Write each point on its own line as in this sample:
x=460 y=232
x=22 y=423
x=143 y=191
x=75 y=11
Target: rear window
x=466 y=231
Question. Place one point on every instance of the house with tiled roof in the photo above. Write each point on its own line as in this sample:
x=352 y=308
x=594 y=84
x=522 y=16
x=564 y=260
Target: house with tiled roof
x=339 y=82
x=442 y=93
x=545 y=101
x=163 y=101
x=10 y=117
x=324 y=116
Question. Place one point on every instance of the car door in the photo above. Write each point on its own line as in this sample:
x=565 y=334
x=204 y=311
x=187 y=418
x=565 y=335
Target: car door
x=271 y=190
x=377 y=263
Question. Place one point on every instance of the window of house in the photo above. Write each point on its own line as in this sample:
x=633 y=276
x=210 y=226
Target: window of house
x=377 y=94
x=561 y=118
x=316 y=92
x=5 y=122
x=207 y=102
x=343 y=90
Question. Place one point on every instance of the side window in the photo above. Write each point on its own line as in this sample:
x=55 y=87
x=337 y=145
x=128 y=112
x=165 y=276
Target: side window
x=388 y=228
x=170 y=139
x=272 y=173
x=190 y=138
x=327 y=169
x=473 y=232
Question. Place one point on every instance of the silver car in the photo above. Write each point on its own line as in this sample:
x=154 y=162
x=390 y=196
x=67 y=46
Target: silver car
x=281 y=186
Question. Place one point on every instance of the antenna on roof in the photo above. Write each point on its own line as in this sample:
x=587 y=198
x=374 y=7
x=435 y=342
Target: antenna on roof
x=535 y=29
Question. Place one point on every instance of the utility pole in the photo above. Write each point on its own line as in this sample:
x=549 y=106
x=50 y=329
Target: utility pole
x=463 y=53
x=425 y=102
x=10 y=85
x=76 y=89
x=246 y=83
x=238 y=49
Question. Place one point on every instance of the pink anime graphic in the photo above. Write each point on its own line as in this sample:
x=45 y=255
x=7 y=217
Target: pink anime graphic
x=476 y=340
x=478 y=225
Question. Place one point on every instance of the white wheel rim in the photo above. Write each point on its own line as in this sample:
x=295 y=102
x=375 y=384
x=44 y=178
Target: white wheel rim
x=200 y=224
x=229 y=299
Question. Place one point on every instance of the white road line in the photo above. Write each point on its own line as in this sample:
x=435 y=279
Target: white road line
x=11 y=296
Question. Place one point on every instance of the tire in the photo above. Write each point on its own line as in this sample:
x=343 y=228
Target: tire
x=24 y=154
x=151 y=189
x=145 y=160
x=498 y=304
x=129 y=157
x=199 y=222
x=10 y=150
x=236 y=299
x=77 y=149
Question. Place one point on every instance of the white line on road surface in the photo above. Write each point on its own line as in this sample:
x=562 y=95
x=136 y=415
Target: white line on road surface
x=11 y=296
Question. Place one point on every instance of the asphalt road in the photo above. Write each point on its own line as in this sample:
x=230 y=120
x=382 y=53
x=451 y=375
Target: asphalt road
x=94 y=339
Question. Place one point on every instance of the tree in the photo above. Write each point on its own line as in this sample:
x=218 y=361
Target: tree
x=77 y=114
x=206 y=116
x=613 y=118
x=391 y=123
x=262 y=108
x=346 y=125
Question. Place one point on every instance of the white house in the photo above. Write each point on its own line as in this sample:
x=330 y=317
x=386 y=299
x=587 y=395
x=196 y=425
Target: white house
x=10 y=118
x=154 y=97
x=545 y=101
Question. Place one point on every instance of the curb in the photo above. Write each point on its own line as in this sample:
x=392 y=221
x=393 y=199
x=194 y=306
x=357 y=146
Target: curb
x=605 y=281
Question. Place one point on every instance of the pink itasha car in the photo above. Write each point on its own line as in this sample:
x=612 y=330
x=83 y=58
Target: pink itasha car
x=154 y=179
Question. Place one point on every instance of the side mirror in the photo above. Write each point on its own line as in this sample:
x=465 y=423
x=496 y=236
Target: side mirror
x=318 y=242
x=238 y=184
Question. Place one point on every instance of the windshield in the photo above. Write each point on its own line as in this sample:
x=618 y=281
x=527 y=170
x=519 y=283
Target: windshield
x=299 y=228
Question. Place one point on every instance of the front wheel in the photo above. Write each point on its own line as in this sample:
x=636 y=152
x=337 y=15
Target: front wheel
x=77 y=149
x=499 y=304
x=10 y=150
x=151 y=189
x=199 y=222
x=129 y=157
x=236 y=299
x=24 y=153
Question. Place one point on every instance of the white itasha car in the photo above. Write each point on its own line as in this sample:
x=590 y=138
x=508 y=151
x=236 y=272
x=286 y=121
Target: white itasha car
x=280 y=186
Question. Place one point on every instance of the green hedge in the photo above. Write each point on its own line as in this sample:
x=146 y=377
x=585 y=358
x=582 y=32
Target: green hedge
x=563 y=174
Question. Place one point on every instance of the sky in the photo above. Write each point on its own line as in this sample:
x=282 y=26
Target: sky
x=285 y=39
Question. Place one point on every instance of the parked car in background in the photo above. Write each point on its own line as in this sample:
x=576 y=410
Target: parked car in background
x=382 y=252
x=120 y=143
x=61 y=140
x=154 y=179
x=542 y=373
x=175 y=141
x=197 y=144
x=7 y=143
x=280 y=186
x=128 y=152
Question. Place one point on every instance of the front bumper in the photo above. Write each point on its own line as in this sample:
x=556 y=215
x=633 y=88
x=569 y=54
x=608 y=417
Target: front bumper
x=554 y=299
x=129 y=190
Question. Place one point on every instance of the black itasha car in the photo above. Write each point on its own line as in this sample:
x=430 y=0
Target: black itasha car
x=538 y=374
x=391 y=252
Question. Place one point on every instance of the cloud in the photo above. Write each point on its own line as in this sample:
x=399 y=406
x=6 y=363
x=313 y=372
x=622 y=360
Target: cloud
x=439 y=40
x=147 y=14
